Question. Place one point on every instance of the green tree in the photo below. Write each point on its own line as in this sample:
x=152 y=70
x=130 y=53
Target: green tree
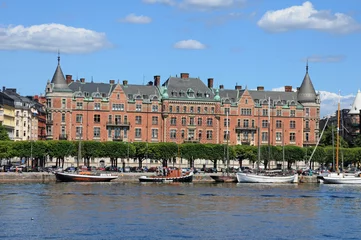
x=243 y=152
x=140 y=151
x=61 y=149
x=3 y=133
x=326 y=139
x=163 y=151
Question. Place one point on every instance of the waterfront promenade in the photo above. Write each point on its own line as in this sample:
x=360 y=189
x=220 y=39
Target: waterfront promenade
x=44 y=177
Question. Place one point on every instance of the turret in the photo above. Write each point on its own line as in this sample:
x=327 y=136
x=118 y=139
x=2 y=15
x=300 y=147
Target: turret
x=306 y=93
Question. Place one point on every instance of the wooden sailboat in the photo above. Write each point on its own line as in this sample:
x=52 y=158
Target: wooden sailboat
x=340 y=177
x=266 y=177
x=228 y=178
x=83 y=176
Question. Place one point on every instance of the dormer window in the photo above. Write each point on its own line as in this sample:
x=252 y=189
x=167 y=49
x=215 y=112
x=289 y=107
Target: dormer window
x=174 y=93
x=104 y=95
x=206 y=95
x=190 y=93
x=199 y=94
x=182 y=93
x=130 y=96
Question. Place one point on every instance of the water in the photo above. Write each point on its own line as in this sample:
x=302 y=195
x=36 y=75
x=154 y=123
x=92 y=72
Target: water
x=179 y=211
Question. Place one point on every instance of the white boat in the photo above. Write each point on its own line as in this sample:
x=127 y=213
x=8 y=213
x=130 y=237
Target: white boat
x=341 y=178
x=243 y=177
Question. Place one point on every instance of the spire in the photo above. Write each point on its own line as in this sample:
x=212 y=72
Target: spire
x=356 y=105
x=58 y=79
x=307 y=92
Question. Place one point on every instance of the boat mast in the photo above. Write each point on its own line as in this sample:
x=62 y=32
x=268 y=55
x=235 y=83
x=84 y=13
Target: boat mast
x=258 y=142
x=283 y=147
x=333 y=150
x=79 y=152
x=227 y=146
x=269 y=131
x=338 y=131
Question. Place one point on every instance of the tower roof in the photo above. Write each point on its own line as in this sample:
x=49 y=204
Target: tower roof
x=356 y=106
x=59 y=79
x=307 y=92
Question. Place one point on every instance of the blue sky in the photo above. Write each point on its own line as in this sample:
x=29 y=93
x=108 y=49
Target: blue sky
x=251 y=43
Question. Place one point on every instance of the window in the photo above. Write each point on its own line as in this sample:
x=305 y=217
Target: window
x=138 y=133
x=199 y=121
x=173 y=121
x=79 y=132
x=109 y=132
x=246 y=111
x=307 y=112
x=225 y=135
x=292 y=113
x=264 y=136
x=125 y=119
x=154 y=108
x=110 y=118
x=191 y=121
x=292 y=124
x=138 y=107
x=170 y=109
x=154 y=120
x=209 y=134
x=245 y=123
x=198 y=109
x=199 y=135
x=118 y=107
x=173 y=134
x=245 y=137
x=278 y=124
x=48 y=104
x=118 y=96
x=97 y=132
x=79 y=105
x=63 y=117
x=17 y=133
x=62 y=130
x=79 y=118
x=184 y=109
x=292 y=137
x=278 y=136
x=209 y=121
x=238 y=122
x=226 y=111
x=125 y=133
x=252 y=123
x=212 y=110
x=191 y=109
x=138 y=120
x=155 y=133
x=63 y=103
x=205 y=110
x=307 y=123
x=177 y=109
x=184 y=121
x=117 y=119
x=279 y=112
x=182 y=133
x=96 y=106
x=265 y=112
x=307 y=137
x=190 y=134
x=96 y=118
x=226 y=122
x=264 y=123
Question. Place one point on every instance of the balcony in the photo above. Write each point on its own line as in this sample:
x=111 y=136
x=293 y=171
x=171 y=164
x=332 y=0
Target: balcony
x=306 y=129
x=191 y=140
x=191 y=125
x=117 y=138
x=63 y=137
x=245 y=128
x=117 y=124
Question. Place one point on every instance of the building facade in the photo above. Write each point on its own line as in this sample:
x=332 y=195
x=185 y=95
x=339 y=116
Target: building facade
x=182 y=109
x=7 y=114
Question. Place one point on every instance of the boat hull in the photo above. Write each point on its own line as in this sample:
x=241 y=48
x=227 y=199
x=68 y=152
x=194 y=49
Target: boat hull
x=161 y=179
x=224 y=179
x=341 y=180
x=259 y=178
x=72 y=177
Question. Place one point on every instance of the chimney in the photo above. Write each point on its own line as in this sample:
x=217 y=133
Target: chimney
x=260 y=88
x=4 y=88
x=210 y=82
x=68 y=79
x=150 y=83
x=288 y=88
x=82 y=80
x=112 y=81
x=125 y=82
x=221 y=86
x=184 y=75
x=238 y=87
x=157 y=80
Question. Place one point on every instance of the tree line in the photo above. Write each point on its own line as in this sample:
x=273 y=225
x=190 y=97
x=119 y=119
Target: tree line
x=166 y=153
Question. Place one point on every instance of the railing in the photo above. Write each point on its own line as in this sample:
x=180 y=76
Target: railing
x=191 y=140
x=117 y=138
x=244 y=128
x=117 y=123
x=306 y=129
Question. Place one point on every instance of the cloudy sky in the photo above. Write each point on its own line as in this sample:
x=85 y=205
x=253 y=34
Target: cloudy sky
x=249 y=43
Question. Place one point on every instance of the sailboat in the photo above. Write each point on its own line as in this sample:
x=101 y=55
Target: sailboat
x=340 y=177
x=228 y=178
x=83 y=176
x=266 y=177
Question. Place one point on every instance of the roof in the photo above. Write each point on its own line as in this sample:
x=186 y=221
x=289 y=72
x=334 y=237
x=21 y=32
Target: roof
x=229 y=94
x=188 y=88
x=307 y=92
x=133 y=91
x=58 y=80
x=91 y=87
x=356 y=106
x=6 y=100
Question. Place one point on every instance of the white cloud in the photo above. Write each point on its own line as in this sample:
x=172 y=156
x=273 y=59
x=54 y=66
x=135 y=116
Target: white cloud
x=307 y=17
x=328 y=58
x=165 y=2
x=132 y=18
x=51 y=38
x=189 y=44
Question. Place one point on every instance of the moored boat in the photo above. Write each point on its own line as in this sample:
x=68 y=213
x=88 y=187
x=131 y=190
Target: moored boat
x=244 y=177
x=84 y=177
x=341 y=178
x=174 y=175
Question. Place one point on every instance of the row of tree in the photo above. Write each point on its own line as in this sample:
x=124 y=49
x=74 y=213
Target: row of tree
x=39 y=151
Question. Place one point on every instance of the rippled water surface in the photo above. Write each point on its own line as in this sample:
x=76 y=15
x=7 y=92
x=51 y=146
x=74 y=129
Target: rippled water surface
x=179 y=211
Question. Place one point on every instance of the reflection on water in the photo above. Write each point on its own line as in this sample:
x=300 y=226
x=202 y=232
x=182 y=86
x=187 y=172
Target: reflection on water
x=179 y=211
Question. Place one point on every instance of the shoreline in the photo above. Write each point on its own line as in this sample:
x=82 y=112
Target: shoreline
x=44 y=177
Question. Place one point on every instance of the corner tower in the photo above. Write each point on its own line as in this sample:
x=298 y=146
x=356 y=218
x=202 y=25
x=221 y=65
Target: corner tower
x=310 y=101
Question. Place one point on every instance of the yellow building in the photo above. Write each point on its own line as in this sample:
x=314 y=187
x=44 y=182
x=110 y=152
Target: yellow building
x=7 y=114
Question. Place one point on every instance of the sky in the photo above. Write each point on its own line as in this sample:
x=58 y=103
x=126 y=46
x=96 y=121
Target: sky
x=246 y=42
